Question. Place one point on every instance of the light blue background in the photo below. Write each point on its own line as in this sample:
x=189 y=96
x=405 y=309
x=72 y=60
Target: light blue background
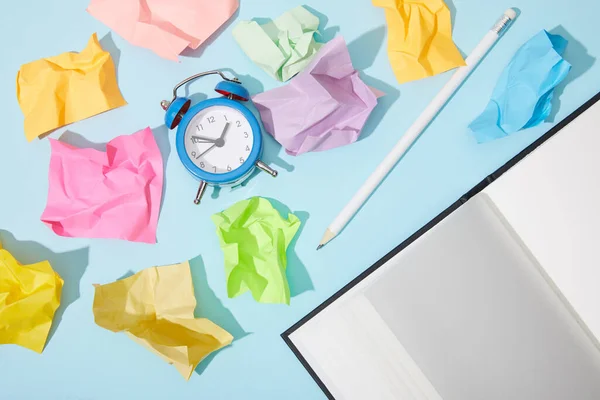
x=84 y=361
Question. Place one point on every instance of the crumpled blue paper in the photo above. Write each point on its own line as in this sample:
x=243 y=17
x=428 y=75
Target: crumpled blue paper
x=523 y=95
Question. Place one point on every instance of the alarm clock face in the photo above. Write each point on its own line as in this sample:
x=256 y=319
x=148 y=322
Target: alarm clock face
x=219 y=139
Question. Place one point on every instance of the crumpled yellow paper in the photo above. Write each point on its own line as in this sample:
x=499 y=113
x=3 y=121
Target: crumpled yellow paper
x=57 y=91
x=155 y=307
x=29 y=297
x=419 y=38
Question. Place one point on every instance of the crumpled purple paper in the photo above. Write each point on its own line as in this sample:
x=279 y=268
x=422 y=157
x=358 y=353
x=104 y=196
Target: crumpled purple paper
x=323 y=107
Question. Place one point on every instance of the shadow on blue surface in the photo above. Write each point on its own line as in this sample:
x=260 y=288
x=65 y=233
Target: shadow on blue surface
x=383 y=104
x=203 y=87
x=126 y=275
x=197 y=53
x=208 y=305
x=298 y=277
x=161 y=136
x=79 y=141
x=271 y=154
x=70 y=265
x=579 y=58
x=216 y=191
x=196 y=97
x=363 y=51
x=326 y=33
x=452 y=9
x=108 y=44
x=253 y=85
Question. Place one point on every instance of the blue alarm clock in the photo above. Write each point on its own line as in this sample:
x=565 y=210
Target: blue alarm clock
x=219 y=140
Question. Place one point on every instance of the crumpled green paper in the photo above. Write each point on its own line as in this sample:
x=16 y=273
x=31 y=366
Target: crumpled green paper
x=282 y=47
x=254 y=239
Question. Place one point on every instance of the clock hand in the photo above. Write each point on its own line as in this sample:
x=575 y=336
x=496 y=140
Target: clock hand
x=224 y=131
x=196 y=139
x=202 y=139
x=209 y=149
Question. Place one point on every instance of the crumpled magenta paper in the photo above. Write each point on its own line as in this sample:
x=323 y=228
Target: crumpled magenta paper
x=254 y=239
x=114 y=194
x=419 y=38
x=29 y=297
x=57 y=91
x=155 y=308
x=523 y=95
x=325 y=106
x=282 y=47
x=167 y=27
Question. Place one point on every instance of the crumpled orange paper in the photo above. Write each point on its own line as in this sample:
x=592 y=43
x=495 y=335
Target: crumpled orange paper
x=167 y=27
x=29 y=297
x=57 y=91
x=155 y=308
x=419 y=38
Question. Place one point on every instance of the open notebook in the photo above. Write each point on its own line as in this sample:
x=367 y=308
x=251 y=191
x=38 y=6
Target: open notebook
x=496 y=298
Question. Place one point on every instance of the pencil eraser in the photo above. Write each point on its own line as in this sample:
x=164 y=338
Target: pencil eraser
x=511 y=13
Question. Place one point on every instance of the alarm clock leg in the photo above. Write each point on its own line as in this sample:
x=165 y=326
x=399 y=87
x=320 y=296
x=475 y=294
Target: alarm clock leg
x=200 y=193
x=264 y=167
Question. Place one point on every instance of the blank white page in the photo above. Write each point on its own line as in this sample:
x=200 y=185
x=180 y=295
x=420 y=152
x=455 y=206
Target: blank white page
x=460 y=314
x=358 y=357
x=552 y=200
x=469 y=306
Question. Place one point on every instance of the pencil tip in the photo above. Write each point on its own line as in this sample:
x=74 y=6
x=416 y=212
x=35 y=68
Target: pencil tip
x=319 y=247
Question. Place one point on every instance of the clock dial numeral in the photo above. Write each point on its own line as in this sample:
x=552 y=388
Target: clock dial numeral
x=210 y=148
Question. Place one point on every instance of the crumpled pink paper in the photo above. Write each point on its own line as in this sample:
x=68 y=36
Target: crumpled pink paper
x=167 y=27
x=114 y=194
x=323 y=107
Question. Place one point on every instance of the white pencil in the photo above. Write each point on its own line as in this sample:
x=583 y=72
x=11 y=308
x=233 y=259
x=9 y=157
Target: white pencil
x=418 y=127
